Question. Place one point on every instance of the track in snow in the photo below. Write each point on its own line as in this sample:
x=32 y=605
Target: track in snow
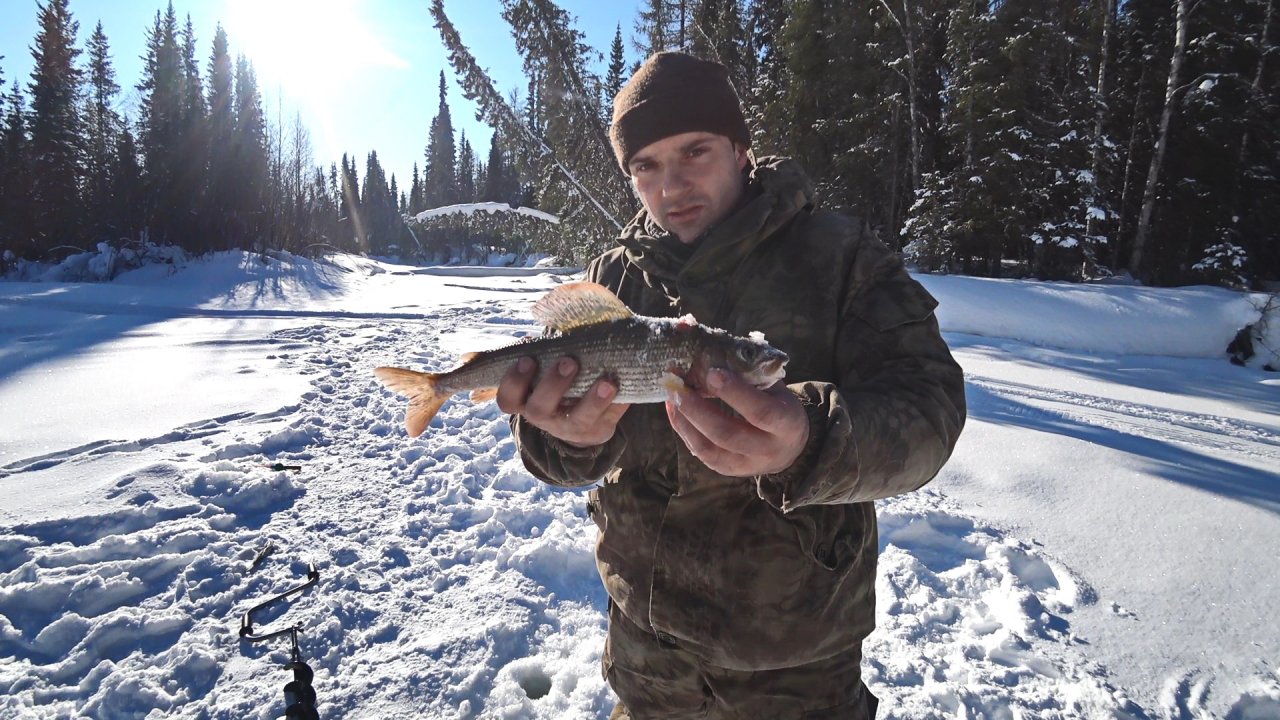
x=452 y=583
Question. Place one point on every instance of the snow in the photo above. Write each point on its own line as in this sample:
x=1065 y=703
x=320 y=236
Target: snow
x=1100 y=545
x=488 y=207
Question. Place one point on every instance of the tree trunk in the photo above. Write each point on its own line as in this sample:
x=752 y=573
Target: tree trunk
x=1099 y=117
x=1162 y=138
x=1130 y=153
x=904 y=26
x=1256 y=86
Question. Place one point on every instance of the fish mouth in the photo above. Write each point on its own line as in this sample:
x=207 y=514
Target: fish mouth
x=774 y=367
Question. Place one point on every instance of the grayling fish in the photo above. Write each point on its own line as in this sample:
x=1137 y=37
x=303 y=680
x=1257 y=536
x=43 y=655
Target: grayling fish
x=647 y=357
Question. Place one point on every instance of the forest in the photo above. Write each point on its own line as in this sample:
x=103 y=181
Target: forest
x=1055 y=139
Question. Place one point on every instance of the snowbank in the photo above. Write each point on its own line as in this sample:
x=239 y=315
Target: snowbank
x=1116 y=477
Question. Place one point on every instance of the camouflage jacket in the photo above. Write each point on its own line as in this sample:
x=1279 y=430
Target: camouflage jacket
x=779 y=570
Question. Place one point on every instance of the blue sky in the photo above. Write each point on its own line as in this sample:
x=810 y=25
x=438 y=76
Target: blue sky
x=363 y=73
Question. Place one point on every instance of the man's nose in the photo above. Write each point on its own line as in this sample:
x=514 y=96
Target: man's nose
x=675 y=180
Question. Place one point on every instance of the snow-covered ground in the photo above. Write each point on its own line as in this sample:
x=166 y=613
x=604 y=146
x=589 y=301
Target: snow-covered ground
x=1103 y=543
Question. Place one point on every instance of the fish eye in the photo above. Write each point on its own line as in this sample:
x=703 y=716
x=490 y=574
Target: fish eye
x=746 y=353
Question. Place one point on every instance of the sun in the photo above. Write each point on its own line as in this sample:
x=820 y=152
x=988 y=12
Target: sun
x=309 y=49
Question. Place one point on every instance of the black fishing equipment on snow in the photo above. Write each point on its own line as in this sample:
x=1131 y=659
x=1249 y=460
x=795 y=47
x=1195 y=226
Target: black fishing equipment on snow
x=299 y=696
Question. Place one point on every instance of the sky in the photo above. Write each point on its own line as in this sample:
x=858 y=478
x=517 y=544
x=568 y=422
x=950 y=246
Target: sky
x=364 y=74
x=1096 y=547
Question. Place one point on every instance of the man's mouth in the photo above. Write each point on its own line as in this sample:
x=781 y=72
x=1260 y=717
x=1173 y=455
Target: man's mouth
x=684 y=214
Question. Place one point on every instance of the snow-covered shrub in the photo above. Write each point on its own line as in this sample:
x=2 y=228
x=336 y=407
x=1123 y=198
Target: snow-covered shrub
x=100 y=265
x=1223 y=264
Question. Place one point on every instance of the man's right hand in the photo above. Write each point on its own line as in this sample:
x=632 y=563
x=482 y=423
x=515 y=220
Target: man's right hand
x=583 y=422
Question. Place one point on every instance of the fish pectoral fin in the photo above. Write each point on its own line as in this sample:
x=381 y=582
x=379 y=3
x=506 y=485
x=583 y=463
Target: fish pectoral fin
x=484 y=395
x=673 y=383
x=579 y=304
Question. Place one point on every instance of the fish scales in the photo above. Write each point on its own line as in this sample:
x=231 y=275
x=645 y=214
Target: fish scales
x=636 y=353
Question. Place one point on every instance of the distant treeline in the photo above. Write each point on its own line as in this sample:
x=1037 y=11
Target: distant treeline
x=1060 y=139
x=203 y=167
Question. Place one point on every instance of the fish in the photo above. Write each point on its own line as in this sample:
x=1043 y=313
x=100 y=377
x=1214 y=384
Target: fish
x=646 y=357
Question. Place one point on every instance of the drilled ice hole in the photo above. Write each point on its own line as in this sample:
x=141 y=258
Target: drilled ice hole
x=535 y=683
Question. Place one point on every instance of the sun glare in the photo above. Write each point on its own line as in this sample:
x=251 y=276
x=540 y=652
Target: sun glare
x=310 y=49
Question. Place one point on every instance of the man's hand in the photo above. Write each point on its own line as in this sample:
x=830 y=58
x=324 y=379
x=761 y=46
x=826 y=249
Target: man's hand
x=769 y=435
x=588 y=421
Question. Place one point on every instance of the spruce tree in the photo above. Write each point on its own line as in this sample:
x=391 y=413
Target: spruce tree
x=128 y=190
x=731 y=46
x=350 y=214
x=440 y=180
x=103 y=129
x=193 y=145
x=221 y=182
x=56 y=131
x=614 y=79
x=251 y=166
x=5 y=229
x=161 y=124
x=652 y=29
x=380 y=219
x=416 y=203
x=466 y=170
x=767 y=112
x=15 y=200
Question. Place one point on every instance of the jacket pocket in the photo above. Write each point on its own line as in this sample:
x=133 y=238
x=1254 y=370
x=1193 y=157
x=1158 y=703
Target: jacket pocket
x=893 y=302
x=594 y=510
x=828 y=534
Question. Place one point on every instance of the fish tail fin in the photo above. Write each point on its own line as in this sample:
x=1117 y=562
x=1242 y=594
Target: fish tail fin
x=424 y=399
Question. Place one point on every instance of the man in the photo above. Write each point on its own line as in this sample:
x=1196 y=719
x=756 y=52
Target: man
x=737 y=533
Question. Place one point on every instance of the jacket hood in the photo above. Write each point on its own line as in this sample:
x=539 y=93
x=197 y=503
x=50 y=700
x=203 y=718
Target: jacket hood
x=777 y=190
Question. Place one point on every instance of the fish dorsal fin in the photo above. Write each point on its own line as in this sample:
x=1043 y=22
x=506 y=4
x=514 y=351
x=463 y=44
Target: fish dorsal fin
x=577 y=305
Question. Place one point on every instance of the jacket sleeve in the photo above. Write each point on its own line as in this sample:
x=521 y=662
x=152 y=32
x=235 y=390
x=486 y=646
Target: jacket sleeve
x=893 y=418
x=559 y=463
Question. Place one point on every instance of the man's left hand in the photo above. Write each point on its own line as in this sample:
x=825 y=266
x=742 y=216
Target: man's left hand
x=767 y=435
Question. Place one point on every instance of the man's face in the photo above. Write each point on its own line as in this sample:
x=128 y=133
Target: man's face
x=689 y=182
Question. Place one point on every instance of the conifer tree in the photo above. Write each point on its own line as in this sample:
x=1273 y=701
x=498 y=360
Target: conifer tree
x=416 y=203
x=102 y=132
x=731 y=47
x=350 y=213
x=652 y=30
x=15 y=201
x=127 y=188
x=500 y=182
x=569 y=118
x=56 y=128
x=221 y=183
x=613 y=79
x=380 y=219
x=767 y=114
x=193 y=144
x=466 y=171
x=440 y=182
x=550 y=163
x=249 y=155
x=161 y=124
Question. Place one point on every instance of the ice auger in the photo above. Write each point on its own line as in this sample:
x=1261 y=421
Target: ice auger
x=299 y=696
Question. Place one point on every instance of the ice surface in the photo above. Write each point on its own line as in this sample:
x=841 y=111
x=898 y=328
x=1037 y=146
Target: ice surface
x=1100 y=545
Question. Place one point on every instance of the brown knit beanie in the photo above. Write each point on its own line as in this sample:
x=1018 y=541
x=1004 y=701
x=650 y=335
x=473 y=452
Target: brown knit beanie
x=675 y=93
